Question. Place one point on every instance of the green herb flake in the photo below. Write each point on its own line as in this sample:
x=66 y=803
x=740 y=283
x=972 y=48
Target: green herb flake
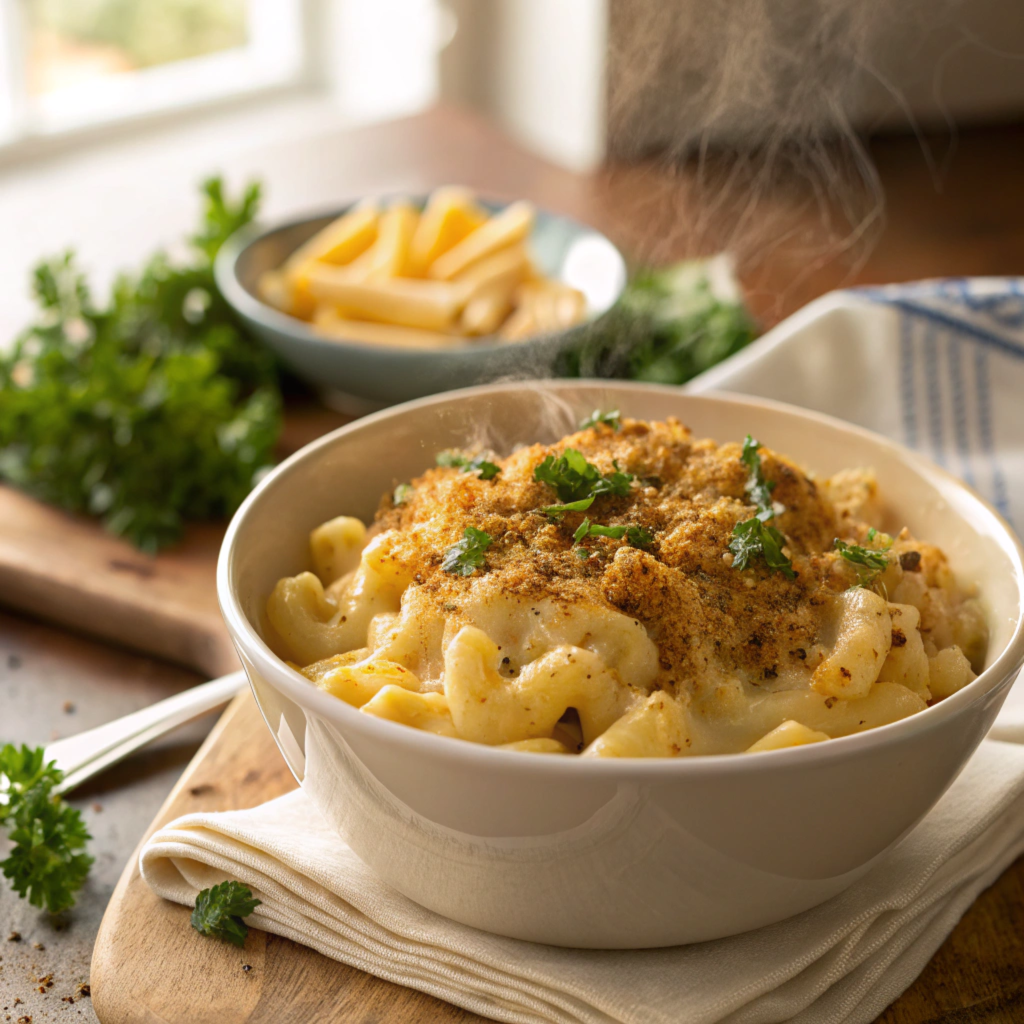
x=609 y=419
x=578 y=482
x=479 y=464
x=637 y=536
x=403 y=494
x=755 y=537
x=220 y=909
x=465 y=557
x=46 y=864
x=869 y=563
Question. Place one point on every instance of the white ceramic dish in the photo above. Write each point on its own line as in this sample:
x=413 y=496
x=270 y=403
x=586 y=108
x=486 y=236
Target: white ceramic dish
x=618 y=853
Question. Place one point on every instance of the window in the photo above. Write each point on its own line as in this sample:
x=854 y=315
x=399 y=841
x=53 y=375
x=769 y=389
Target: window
x=68 y=64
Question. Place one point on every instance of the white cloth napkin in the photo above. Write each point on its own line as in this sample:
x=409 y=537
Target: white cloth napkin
x=958 y=351
x=844 y=961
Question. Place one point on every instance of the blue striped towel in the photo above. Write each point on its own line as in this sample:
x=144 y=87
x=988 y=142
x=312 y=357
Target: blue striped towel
x=957 y=396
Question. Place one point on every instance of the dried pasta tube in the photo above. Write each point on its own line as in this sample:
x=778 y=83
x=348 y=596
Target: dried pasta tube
x=340 y=242
x=342 y=329
x=512 y=225
x=450 y=215
x=389 y=256
x=429 y=305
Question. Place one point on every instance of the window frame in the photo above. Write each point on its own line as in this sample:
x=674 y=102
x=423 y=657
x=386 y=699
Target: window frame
x=276 y=59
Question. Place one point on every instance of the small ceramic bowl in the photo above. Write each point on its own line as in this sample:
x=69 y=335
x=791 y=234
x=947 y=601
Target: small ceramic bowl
x=611 y=853
x=377 y=375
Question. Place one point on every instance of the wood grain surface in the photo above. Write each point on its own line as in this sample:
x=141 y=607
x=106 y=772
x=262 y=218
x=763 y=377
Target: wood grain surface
x=149 y=965
x=68 y=569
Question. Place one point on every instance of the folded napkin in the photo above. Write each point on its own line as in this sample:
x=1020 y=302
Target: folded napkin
x=843 y=961
x=938 y=366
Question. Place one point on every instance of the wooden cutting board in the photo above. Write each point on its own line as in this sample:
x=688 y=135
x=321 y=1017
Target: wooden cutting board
x=149 y=965
x=70 y=570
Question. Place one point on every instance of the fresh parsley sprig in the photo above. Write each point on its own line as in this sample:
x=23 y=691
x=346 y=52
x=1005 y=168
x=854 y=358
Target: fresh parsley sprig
x=145 y=410
x=46 y=864
x=479 y=464
x=609 y=419
x=465 y=557
x=578 y=482
x=869 y=563
x=219 y=911
x=637 y=536
x=755 y=537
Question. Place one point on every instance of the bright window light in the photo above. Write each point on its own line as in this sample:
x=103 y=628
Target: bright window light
x=69 y=64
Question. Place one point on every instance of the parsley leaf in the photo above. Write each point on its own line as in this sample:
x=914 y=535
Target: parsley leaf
x=869 y=563
x=465 y=557
x=403 y=493
x=754 y=537
x=149 y=409
x=609 y=419
x=46 y=863
x=578 y=482
x=220 y=909
x=479 y=464
x=637 y=536
x=759 y=490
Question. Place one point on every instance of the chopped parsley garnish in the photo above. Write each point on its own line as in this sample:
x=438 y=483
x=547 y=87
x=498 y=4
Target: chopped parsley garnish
x=637 y=536
x=46 y=863
x=755 y=537
x=464 y=558
x=869 y=563
x=578 y=482
x=479 y=464
x=403 y=492
x=219 y=912
x=759 y=490
x=609 y=419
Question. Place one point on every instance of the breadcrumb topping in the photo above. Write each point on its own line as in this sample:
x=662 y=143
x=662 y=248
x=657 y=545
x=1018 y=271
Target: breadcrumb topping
x=703 y=614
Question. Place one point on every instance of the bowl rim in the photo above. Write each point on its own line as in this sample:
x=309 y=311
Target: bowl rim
x=249 y=306
x=295 y=686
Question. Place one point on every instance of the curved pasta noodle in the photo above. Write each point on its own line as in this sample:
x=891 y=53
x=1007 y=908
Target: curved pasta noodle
x=316 y=625
x=601 y=636
x=863 y=639
x=655 y=728
x=788 y=734
x=489 y=708
x=906 y=662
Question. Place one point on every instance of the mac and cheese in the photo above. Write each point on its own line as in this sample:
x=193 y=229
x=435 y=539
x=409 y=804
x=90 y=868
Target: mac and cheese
x=630 y=591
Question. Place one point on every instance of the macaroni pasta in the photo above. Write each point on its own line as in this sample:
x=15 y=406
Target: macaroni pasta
x=629 y=592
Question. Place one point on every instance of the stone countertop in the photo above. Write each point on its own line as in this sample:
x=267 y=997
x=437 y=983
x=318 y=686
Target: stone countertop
x=54 y=684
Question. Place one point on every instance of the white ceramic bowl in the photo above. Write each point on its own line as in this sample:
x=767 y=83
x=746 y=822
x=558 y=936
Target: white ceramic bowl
x=616 y=853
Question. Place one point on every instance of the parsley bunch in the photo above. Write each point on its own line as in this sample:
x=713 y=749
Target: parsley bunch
x=578 y=482
x=670 y=324
x=754 y=537
x=46 y=863
x=219 y=911
x=147 y=410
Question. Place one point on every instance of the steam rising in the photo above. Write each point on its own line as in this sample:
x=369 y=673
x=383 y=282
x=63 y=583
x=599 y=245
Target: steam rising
x=753 y=102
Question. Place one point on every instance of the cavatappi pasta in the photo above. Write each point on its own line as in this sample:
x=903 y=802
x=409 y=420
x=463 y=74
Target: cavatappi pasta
x=706 y=599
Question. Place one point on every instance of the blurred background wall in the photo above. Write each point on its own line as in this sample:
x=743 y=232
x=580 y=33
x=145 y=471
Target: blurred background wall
x=575 y=79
